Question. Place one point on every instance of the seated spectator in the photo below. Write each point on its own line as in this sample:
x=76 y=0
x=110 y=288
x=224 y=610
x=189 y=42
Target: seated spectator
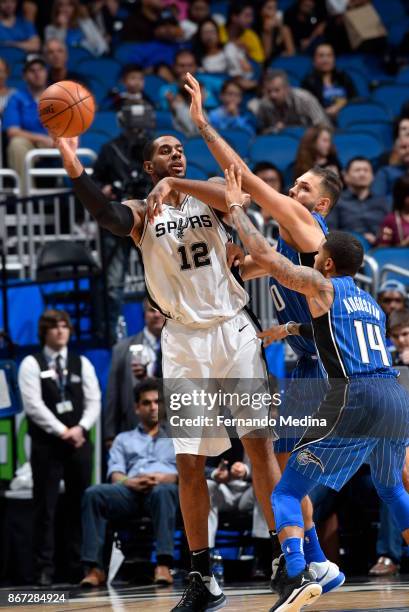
x=398 y=328
x=392 y=297
x=109 y=16
x=5 y=90
x=150 y=21
x=133 y=79
x=214 y=57
x=56 y=55
x=395 y=226
x=358 y=209
x=21 y=121
x=142 y=470
x=228 y=116
x=306 y=23
x=333 y=88
x=16 y=31
x=198 y=11
x=316 y=149
x=283 y=105
x=275 y=36
x=387 y=175
x=238 y=30
x=270 y=174
x=70 y=23
x=126 y=371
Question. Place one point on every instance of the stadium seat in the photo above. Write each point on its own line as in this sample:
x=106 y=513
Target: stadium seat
x=196 y=151
x=93 y=139
x=403 y=76
x=239 y=140
x=195 y=173
x=299 y=65
x=297 y=131
x=397 y=30
x=152 y=85
x=275 y=148
x=380 y=129
x=97 y=87
x=124 y=53
x=366 y=245
x=393 y=96
x=76 y=55
x=108 y=69
x=362 y=111
x=396 y=256
x=360 y=80
x=349 y=144
x=106 y=121
x=164 y=120
x=213 y=82
x=391 y=11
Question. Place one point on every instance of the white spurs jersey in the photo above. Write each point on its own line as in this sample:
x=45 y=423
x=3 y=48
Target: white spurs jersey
x=186 y=271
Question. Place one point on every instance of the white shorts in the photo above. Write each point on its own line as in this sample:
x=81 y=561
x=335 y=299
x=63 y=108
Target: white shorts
x=201 y=358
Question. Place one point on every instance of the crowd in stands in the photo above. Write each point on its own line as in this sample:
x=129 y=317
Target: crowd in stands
x=282 y=74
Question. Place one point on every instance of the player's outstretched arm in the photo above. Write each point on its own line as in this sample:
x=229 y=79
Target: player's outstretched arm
x=299 y=278
x=118 y=219
x=289 y=213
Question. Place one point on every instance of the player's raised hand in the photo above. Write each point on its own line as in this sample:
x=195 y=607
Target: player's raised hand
x=274 y=333
x=192 y=85
x=233 y=191
x=155 y=199
x=68 y=149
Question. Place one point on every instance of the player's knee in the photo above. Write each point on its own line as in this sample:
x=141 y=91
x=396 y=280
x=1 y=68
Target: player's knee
x=190 y=467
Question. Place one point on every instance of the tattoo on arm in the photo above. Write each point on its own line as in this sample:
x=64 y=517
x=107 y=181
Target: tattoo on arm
x=209 y=133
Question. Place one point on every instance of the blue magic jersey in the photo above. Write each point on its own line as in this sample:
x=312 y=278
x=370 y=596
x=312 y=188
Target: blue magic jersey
x=291 y=305
x=350 y=337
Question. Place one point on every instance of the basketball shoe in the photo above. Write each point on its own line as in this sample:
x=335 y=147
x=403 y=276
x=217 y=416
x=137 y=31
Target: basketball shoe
x=301 y=590
x=201 y=594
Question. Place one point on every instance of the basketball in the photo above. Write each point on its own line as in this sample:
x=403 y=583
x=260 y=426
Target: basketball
x=66 y=109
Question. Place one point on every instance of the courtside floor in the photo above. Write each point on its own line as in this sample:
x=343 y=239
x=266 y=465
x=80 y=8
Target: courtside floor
x=380 y=595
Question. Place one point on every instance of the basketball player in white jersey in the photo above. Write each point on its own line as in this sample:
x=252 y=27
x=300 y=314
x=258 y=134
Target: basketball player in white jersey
x=208 y=334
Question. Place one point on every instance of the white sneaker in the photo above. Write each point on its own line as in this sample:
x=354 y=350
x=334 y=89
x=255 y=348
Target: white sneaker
x=328 y=575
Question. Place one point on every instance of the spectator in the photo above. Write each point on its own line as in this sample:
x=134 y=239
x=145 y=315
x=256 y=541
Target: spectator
x=399 y=334
x=358 y=209
x=214 y=57
x=283 y=105
x=133 y=79
x=56 y=56
x=16 y=31
x=5 y=90
x=149 y=21
x=387 y=175
x=228 y=116
x=198 y=11
x=392 y=297
x=276 y=37
x=306 y=23
x=62 y=401
x=109 y=17
x=316 y=149
x=70 y=23
x=142 y=470
x=125 y=372
x=333 y=88
x=178 y=7
x=238 y=30
x=21 y=121
x=395 y=226
x=270 y=174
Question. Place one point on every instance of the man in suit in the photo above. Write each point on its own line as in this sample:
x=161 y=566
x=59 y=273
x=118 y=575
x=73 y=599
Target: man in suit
x=129 y=366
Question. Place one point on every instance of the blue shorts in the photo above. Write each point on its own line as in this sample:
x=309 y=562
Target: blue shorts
x=371 y=426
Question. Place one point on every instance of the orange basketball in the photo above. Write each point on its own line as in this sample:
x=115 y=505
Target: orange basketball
x=66 y=109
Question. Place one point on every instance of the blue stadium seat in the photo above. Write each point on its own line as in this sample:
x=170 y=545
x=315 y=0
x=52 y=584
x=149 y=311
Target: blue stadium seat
x=350 y=144
x=393 y=96
x=125 y=52
x=164 y=120
x=196 y=151
x=360 y=80
x=279 y=149
x=380 y=129
x=12 y=55
x=93 y=139
x=239 y=140
x=390 y=11
x=106 y=122
x=397 y=30
x=16 y=69
x=106 y=68
x=97 y=87
x=397 y=256
x=195 y=173
x=299 y=65
x=213 y=82
x=16 y=82
x=403 y=76
x=362 y=111
x=297 y=131
x=152 y=85
x=76 y=55
x=366 y=245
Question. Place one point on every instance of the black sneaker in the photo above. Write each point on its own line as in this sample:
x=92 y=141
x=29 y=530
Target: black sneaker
x=198 y=598
x=302 y=590
x=278 y=573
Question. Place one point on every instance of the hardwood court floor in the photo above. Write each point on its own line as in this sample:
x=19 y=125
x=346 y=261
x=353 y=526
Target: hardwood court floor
x=373 y=596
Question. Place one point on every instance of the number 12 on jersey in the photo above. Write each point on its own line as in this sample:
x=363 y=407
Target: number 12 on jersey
x=372 y=340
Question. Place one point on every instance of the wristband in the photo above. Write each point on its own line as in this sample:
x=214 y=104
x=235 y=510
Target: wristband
x=286 y=327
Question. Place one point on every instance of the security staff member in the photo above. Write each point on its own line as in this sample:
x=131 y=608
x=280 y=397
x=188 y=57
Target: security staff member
x=62 y=400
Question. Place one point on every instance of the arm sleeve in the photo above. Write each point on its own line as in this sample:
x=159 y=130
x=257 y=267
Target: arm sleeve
x=115 y=217
x=306 y=331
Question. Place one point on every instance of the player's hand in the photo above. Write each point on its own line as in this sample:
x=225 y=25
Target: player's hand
x=277 y=332
x=235 y=255
x=155 y=199
x=238 y=470
x=192 y=85
x=233 y=191
x=67 y=147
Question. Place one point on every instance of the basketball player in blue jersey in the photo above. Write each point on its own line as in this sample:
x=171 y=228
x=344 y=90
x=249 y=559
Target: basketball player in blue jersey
x=371 y=423
x=301 y=218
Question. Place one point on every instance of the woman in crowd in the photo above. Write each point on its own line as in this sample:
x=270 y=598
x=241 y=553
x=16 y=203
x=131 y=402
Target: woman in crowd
x=395 y=227
x=275 y=36
x=70 y=22
x=238 y=29
x=5 y=90
x=228 y=116
x=316 y=149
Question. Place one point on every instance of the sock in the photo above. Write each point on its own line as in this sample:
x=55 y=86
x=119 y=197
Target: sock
x=275 y=543
x=294 y=556
x=312 y=548
x=200 y=561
